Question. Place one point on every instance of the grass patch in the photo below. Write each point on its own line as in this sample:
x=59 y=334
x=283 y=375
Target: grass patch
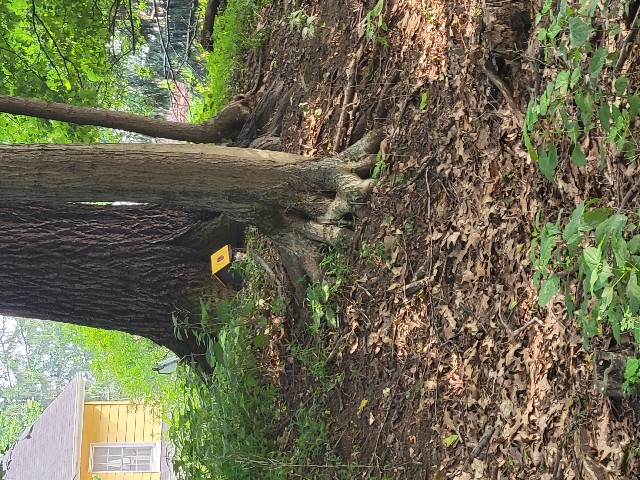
x=223 y=427
x=232 y=34
x=237 y=424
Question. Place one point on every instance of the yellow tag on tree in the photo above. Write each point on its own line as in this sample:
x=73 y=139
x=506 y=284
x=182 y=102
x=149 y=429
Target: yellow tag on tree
x=220 y=259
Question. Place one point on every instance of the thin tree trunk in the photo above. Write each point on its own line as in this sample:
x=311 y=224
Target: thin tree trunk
x=225 y=125
x=210 y=14
x=128 y=268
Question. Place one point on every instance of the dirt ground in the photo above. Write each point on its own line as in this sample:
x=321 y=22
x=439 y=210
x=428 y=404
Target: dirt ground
x=441 y=335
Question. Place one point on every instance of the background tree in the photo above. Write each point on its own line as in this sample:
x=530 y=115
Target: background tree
x=39 y=358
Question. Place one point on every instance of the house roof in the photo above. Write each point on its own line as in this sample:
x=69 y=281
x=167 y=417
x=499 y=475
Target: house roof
x=50 y=448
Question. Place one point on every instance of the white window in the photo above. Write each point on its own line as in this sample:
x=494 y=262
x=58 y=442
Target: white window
x=125 y=457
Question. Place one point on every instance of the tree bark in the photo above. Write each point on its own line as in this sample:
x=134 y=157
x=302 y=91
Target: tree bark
x=225 y=125
x=130 y=268
x=299 y=202
x=208 y=24
x=127 y=268
x=243 y=183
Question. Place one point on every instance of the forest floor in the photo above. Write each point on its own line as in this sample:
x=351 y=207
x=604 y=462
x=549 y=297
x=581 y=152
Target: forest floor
x=441 y=339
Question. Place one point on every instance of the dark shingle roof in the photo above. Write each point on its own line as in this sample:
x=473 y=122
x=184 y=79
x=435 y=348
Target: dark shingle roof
x=50 y=449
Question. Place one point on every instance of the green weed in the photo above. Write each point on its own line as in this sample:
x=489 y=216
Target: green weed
x=380 y=167
x=303 y=23
x=631 y=375
x=595 y=259
x=230 y=426
x=233 y=33
x=424 y=98
x=370 y=252
x=593 y=256
x=409 y=223
x=589 y=94
x=374 y=23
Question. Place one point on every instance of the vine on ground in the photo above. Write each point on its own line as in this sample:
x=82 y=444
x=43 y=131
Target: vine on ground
x=587 y=111
x=588 y=100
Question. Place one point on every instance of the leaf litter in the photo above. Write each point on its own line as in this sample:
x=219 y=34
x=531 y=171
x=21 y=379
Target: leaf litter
x=454 y=370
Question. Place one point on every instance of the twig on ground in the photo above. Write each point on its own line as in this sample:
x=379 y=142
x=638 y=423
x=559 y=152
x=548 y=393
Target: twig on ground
x=482 y=443
x=517 y=331
x=557 y=471
x=624 y=48
x=337 y=346
x=631 y=192
x=263 y=264
x=413 y=287
x=576 y=465
x=504 y=90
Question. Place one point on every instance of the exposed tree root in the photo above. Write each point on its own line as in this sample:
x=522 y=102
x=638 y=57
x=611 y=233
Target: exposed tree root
x=504 y=90
x=347 y=176
x=347 y=101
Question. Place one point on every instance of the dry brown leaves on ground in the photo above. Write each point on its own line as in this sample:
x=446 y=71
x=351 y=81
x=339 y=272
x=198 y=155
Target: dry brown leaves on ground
x=463 y=376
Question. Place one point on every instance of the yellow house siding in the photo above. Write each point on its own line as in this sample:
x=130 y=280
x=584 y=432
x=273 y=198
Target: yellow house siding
x=111 y=422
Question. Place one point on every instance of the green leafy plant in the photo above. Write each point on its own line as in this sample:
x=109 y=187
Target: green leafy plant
x=380 y=167
x=232 y=424
x=631 y=375
x=369 y=252
x=374 y=22
x=318 y=297
x=450 y=440
x=595 y=260
x=366 y=251
x=409 y=222
x=305 y=24
x=222 y=427
x=588 y=95
x=335 y=264
x=424 y=98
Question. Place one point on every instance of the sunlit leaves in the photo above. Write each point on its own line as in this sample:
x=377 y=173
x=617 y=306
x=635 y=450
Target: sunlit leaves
x=594 y=264
x=548 y=290
x=54 y=50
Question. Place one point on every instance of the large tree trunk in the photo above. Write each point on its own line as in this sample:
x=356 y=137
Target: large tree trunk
x=130 y=268
x=127 y=268
x=299 y=202
x=225 y=125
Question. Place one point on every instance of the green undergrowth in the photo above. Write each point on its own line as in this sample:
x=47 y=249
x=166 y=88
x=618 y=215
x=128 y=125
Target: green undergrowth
x=237 y=423
x=586 y=116
x=234 y=32
x=225 y=420
x=595 y=261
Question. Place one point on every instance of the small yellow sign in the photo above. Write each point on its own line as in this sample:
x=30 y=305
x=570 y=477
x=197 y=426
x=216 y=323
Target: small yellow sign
x=220 y=259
